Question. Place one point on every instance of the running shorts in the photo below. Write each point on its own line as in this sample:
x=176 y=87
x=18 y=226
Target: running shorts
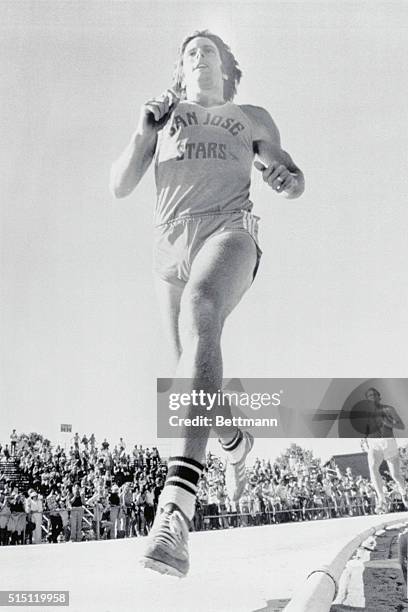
x=386 y=446
x=177 y=242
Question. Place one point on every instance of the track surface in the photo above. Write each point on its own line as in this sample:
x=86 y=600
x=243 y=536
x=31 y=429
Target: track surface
x=253 y=569
x=384 y=586
x=374 y=581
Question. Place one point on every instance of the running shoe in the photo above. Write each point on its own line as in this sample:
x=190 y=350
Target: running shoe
x=235 y=473
x=167 y=548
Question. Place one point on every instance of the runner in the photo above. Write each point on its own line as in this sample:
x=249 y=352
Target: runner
x=206 y=249
x=383 y=447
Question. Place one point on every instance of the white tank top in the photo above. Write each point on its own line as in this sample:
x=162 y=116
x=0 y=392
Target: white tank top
x=203 y=161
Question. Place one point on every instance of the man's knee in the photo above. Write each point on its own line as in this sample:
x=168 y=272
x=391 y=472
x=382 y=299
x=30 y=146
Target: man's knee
x=200 y=315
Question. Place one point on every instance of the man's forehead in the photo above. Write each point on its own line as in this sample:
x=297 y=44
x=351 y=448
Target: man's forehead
x=200 y=41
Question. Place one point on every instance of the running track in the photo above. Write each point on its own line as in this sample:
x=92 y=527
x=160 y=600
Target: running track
x=250 y=569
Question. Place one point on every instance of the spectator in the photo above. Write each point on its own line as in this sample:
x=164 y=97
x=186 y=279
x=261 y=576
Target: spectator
x=139 y=498
x=34 y=509
x=54 y=515
x=13 y=442
x=5 y=514
x=213 y=507
x=222 y=505
x=92 y=442
x=64 y=514
x=245 y=507
x=17 y=521
x=149 y=507
x=99 y=504
x=76 y=504
x=126 y=502
x=114 y=507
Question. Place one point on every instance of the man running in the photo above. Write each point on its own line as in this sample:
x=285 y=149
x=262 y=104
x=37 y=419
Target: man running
x=206 y=249
x=383 y=447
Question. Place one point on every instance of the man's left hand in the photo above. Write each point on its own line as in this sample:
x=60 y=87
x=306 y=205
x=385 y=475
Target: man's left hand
x=277 y=176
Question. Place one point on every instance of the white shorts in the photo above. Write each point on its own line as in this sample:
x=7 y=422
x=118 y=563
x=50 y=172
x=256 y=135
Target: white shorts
x=178 y=241
x=386 y=446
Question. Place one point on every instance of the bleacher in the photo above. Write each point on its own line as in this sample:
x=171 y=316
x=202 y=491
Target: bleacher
x=11 y=471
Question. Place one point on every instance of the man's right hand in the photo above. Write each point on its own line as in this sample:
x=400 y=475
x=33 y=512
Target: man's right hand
x=156 y=111
x=127 y=171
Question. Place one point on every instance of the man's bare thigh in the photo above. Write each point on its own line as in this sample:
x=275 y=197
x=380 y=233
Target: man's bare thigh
x=223 y=270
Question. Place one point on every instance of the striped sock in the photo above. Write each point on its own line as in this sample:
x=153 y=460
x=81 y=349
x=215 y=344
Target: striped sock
x=235 y=448
x=181 y=484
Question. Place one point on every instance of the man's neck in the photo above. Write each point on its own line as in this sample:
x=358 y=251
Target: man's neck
x=206 y=98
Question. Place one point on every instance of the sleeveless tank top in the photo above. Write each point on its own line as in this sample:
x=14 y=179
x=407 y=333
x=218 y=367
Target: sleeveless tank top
x=203 y=161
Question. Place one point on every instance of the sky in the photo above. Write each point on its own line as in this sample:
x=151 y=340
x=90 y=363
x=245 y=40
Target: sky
x=81 y=338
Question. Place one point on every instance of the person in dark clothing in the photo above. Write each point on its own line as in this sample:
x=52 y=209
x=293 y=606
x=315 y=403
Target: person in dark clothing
x=77 y=503
x=114 y=502
x=54 y=515
x=17 y=522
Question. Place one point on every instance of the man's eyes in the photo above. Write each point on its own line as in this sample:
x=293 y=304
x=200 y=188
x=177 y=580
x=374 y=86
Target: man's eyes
x=206 y=50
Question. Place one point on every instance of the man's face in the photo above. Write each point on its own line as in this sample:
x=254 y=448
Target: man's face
x=202 y=64
x=373 y=396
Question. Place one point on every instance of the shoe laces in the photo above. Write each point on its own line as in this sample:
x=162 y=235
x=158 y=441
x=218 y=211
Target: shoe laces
x=169 y=529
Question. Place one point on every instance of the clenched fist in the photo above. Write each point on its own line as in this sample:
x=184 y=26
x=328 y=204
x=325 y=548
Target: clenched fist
x=277 y=176
x=155 y=111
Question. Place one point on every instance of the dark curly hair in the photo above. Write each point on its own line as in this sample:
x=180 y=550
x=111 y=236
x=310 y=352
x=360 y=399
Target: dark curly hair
x=229 y=64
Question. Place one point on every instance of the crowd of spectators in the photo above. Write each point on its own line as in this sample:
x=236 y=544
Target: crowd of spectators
x=94 y=491
x=295 y=487
x=88 y=491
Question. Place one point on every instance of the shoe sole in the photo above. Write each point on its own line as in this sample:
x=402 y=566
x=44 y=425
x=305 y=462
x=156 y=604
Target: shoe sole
x=161 y=568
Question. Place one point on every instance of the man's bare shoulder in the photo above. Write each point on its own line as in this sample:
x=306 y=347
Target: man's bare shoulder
x=263 y=125
x=256 y=112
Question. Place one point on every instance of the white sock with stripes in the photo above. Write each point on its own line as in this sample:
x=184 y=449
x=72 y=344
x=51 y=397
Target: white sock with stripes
x=235 y=448
x=181 y=484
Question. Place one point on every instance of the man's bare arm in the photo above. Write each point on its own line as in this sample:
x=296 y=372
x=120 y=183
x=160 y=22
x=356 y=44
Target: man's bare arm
x=128 y=170
x=393 y=417
x=278 y=168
